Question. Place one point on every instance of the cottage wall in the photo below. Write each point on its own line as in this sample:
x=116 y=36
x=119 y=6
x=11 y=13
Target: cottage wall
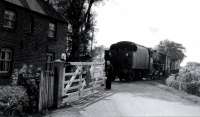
x=30 y=48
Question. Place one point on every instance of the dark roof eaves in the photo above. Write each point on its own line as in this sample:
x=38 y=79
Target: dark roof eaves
x=63 y=20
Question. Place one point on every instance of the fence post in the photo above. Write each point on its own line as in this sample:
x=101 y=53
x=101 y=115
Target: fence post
x=40 y=105
x=80 y=82
x=59 y=71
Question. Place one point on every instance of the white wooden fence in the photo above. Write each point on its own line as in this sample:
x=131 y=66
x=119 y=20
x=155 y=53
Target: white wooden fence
x=83 y=79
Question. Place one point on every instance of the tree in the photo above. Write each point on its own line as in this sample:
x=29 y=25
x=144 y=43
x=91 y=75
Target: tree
x=174 y=50
x=98 y=52
x=81 y=24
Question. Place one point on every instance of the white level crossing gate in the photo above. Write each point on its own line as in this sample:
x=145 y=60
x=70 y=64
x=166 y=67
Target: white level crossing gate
x=82 y=79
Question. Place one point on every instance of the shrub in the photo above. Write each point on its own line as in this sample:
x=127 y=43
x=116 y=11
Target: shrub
x=193 y=88
x=172 y=82
x=169 y=80
x=188 y=79
x=13 y=100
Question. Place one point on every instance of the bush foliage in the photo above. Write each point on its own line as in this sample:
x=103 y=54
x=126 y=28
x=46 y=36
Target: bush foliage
x=188 y=79
x=13 y=100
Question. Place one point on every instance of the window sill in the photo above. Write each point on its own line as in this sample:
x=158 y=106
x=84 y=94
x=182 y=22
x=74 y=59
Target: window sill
x=29 y=33
x=51 y=38
x=5 y=74
x=9 y=29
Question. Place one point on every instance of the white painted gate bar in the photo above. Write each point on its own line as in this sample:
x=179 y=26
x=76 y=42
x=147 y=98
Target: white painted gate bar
x=77 y=86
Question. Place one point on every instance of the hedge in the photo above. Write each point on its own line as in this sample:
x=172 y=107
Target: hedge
x=188 y=79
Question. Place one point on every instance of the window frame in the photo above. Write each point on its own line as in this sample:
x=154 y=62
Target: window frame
x=49 y=64
x=29 y=29
x=7 y=59
x=54 y=31
x=14 y=22
x=32 y=25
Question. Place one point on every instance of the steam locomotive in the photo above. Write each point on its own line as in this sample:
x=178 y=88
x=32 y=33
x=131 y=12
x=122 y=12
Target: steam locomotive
x=131 y=61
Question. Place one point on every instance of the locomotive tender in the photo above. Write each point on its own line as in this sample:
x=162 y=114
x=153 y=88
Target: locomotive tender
x=131 y=61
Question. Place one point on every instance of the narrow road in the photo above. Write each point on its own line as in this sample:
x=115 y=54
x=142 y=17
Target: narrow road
x=142 y=98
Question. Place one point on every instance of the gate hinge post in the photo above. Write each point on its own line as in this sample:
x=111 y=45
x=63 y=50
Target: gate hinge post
x=59 y=68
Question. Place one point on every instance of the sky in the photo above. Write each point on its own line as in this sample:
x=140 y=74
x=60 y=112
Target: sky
x=147 y=22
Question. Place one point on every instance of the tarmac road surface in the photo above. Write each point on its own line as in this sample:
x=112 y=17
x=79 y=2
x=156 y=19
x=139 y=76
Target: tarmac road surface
x=142 y=98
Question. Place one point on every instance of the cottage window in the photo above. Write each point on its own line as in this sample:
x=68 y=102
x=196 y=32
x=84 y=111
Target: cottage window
x=9 y=19
x=52 y=30
x=29 y=28
x=49 y=63
x=5 y=60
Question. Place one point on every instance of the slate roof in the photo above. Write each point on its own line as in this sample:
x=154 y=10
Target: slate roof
x=38 y=6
